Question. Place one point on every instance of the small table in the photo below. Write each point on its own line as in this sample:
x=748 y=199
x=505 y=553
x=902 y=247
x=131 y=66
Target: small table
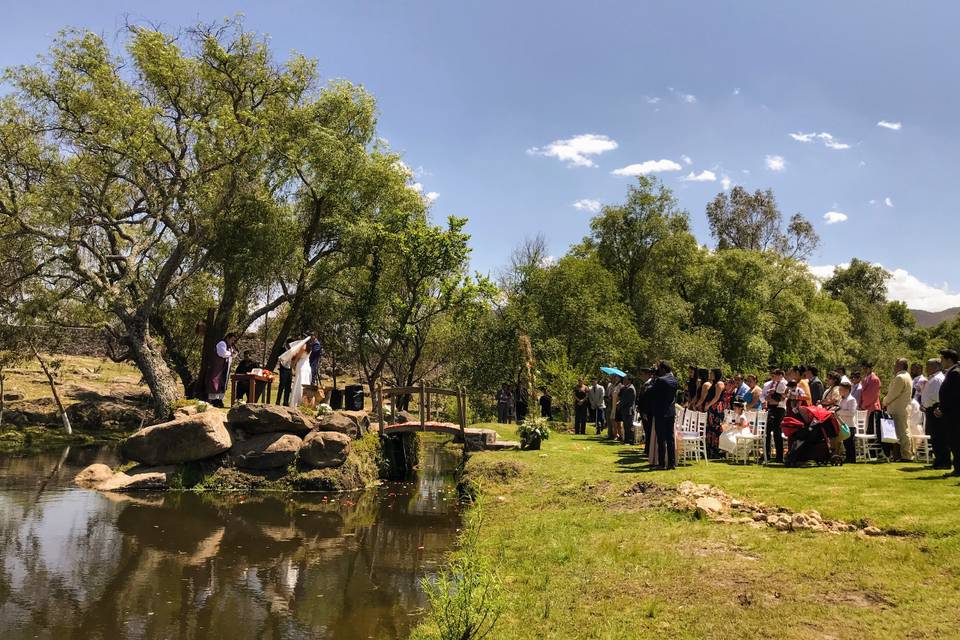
x=251 y=380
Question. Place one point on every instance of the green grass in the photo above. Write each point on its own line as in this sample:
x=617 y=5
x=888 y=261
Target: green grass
x=580 y=561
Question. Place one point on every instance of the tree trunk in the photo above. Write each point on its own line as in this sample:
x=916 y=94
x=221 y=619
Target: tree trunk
x=289 y=322
x=176 y=356
x=3 y=404
x=146 y=354
x=56 y=394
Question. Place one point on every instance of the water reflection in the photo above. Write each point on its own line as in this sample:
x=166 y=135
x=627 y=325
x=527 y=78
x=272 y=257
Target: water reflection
x=79 y=564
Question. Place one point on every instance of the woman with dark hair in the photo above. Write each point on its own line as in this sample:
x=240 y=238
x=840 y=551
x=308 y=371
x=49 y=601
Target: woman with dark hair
x=831 y=397
x=693 y=387
x=704 y=384
x=714 y=405
x=580 y=408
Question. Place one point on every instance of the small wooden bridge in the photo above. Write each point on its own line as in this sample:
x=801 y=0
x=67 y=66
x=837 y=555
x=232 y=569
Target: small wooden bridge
x=472 y=438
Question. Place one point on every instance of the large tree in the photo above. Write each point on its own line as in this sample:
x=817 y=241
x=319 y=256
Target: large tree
x=752 y=221
x=122 y=169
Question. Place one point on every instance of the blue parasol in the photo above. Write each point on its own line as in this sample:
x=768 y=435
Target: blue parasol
x=613 y=371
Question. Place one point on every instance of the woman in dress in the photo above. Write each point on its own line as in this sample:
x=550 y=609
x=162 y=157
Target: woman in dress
x=580 y=408
x=753 y=401
x=297 y=358
x=831 y=397
x=713 y=405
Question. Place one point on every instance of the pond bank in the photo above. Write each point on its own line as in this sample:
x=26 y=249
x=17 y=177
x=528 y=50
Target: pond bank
x=583 y=552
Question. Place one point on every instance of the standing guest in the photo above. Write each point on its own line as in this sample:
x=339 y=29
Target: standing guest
x=546 y=404
x=949 y=409
x=285 y=382
x=713 y=406
x=831 y=397
x=765 y=389
x=896 y=403
x=816 y=385
x=316 y=350
x=692 y=388
x=798 y=374
x=856 y=379
x=776 y=411
x=663 y=395
x=916 y=374
x=869 y=388
x=245 y=366
x=842 y=373
x=930 y=402
x=297 y=357
x=729 y=392
x=753 y=399
x=627 y=410
x=846 y=406
x=643 y=405
x=612 y=391
x=219 y=370
x=521 y=402
x=741 y=389
x=504 y=404
x=580 y=408
x=703 y=375
x=597 y=403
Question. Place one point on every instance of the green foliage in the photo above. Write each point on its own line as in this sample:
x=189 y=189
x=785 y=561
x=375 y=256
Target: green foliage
x=466 y=597
x=533 y=429
x=753 y=222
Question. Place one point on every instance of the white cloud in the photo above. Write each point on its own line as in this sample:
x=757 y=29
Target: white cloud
x=650 y=166
x=745 y=171
x=725 y=182
x=833 y=217
x=736 y=91
x=689 y=98
x=652 y=99
x=703 y=176
x=888 y=201
x=872 y=201
x=416 y=186
x=907 y=288
x=863 y=163
x=585 y=204
x=776 y=163
x=686 y=159
x=894 y=126
x=575 y=151
x=828 y=140
x=432 y=196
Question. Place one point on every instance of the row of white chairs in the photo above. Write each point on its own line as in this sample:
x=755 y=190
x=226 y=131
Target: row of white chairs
x=868 y=445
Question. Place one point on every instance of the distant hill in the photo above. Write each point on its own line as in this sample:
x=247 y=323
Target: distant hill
x=933 y=318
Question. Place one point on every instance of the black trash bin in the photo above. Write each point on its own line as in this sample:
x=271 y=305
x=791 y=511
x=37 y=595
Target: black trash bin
x=353 y=397
x=336 y=399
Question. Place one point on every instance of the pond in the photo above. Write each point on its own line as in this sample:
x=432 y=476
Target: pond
x=78 y=563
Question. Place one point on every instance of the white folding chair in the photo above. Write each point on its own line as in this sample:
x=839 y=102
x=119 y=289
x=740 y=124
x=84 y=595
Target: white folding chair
x=867 y=445
x=694 y=441
x=921 y=441
x=749 y=446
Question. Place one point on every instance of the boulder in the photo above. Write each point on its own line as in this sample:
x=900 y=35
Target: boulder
x=13 y=397
x=266 y=451
x=339 y=423
x=196 y=437
x=93 y=415
x=324 y=449
x=360 y=418
x=93 y=475
x=255 y=419
x=140 y=478
x=707 y=506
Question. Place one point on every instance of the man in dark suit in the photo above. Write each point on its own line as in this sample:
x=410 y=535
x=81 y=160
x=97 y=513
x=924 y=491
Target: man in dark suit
x=949 y=408
x=627 y=409
x=663 y=395
x=643 y=405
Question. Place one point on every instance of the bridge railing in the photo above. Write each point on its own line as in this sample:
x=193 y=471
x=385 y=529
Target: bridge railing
x=425 y=396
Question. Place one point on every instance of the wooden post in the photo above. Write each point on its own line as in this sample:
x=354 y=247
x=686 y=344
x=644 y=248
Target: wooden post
x=379 y=406
x=462 y=416
x=423 y=408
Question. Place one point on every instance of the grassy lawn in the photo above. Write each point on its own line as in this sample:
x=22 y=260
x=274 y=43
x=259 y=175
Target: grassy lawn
x=581 y=561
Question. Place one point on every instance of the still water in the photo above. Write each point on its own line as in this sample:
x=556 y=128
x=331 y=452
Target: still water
x=76 y=563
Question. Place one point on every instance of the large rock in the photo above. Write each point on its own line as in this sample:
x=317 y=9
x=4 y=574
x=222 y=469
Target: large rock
x=269 y=418
x=340 y=423
x=196 y=437
x=360 y=418
x=93 y=475
x=324 y=449
x=140 y=478
x=106 y=414
x=266 y=451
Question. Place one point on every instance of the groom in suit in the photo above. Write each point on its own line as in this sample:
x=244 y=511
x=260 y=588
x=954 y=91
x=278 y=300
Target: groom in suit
x=949 y=408
x=663 y=396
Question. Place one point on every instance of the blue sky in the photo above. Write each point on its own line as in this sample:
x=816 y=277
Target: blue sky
x=475 y=94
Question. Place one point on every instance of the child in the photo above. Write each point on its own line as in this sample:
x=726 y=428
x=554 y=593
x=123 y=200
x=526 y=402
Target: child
x=847 y=413
x=740 y=426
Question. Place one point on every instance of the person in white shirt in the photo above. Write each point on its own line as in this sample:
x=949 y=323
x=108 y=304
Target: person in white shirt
x=776 y=398
x=218 y=370
x=919 y=380
x=596 y=398
x=929 y=401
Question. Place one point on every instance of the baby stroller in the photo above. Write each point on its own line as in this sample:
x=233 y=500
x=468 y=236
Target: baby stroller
x=809 y=437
